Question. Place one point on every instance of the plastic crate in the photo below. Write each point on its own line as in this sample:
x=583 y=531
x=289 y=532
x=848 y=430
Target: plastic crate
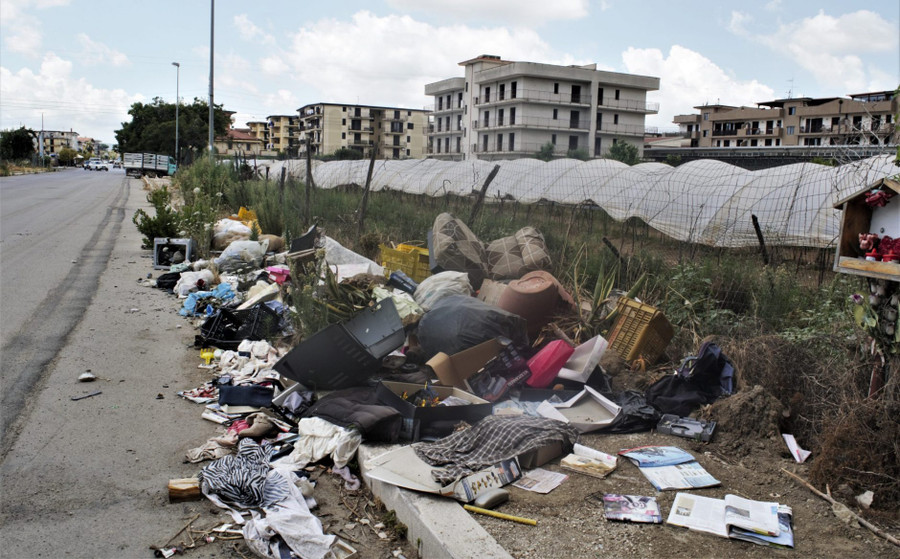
x=227 y=329
x=640 y=331
x=409 y=259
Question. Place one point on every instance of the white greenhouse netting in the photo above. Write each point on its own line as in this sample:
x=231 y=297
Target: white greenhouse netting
x=704 y=201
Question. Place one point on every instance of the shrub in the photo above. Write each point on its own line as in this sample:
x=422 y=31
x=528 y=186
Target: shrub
x=163 y=224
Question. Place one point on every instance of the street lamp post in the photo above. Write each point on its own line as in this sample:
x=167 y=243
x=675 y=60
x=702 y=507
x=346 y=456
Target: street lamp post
x=177 y=102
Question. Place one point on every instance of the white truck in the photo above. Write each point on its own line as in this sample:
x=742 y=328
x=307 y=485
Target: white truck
x=150 y=164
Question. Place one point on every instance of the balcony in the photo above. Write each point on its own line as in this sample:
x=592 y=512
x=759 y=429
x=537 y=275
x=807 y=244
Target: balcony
x=538 y=96
x=361 y=129
x=632 y=105
x=535 y=122
x=729 y=132
x=621 y=129
x=354 y=142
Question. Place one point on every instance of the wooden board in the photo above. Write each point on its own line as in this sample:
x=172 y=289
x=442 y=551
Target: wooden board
x=860 y=267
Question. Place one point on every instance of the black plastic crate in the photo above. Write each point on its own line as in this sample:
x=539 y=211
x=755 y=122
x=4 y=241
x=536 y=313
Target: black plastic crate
x=228 y=328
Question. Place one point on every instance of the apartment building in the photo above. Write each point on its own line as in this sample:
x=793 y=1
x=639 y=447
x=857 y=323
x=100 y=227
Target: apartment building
x=860 y=119
x=397 y=133
x=55 y=140
x=502 y=109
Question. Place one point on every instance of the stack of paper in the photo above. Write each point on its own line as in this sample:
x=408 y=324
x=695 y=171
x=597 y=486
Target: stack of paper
x=669 y=467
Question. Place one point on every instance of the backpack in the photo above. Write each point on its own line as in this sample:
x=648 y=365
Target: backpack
x=701 y=379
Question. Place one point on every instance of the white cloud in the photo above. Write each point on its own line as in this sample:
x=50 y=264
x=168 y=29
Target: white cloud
x=22 y=29
x=274 y=66
x=738 y=22
x=516 y=11
x=249 y=31
x=64 y=101
x=94 y=53
x=830 y=47
x=773 y=5
x=688 y=79
x=390 y=59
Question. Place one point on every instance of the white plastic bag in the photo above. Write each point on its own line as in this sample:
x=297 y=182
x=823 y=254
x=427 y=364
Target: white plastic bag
x=242 y=254
x=436 y=287
x=188 y=282
x=226 y=231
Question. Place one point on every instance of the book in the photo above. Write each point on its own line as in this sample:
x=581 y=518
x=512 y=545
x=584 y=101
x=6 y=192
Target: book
x=732 y=517
x=690 y=475
x=631 y=508
x=588 y=461
x=657 y=455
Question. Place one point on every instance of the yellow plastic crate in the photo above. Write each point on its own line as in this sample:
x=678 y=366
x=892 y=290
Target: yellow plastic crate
x=640 y=331
x=409 y=259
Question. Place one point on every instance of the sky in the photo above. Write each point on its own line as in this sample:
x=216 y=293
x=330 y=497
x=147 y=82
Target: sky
x=81 y=64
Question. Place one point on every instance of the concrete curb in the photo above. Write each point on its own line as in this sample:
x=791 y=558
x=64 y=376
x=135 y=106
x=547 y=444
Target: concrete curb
x=438 y=526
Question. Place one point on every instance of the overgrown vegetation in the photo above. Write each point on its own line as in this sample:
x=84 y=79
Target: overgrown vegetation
x=164 y=223
x=788 y=325
x=624 y=152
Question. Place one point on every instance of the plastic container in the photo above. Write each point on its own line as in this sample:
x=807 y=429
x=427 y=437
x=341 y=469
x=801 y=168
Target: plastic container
x=227 y=329
x=409 y=259
x=546 y=363
x=641 y=331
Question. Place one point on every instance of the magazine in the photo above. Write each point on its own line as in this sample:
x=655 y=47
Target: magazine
x=631 y=508
x=783 y=540
x=657 y=455
x=690 y=475
x=722 y=517
x=588 y=461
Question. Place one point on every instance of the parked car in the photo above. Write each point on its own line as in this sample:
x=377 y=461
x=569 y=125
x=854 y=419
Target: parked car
x=96 y=164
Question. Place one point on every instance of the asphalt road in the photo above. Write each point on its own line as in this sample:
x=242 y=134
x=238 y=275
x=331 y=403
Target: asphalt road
x=87 y=478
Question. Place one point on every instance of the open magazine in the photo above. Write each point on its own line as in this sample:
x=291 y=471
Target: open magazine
x=732 y=517
x=589 y=461
x=631 y=508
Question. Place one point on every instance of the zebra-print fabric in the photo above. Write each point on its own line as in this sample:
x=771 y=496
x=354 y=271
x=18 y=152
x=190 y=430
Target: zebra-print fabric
x=241 y=479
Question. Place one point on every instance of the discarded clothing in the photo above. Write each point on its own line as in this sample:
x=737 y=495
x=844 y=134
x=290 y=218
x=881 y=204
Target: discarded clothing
x=240 y=479
x=194 y=306
x=352 y=482
x=360 y=409
x=699 y=381
x=259 y=425
x=290 y=519
x=214 y=448
x=489 y=441
x=318 y=439
x=246 y=395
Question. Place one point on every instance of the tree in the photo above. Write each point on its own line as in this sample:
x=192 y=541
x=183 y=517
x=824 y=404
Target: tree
x=624 y=152
x=546 y=152
x=66 y=157
x=17 y=144
x=580 y=154
x=152 y=128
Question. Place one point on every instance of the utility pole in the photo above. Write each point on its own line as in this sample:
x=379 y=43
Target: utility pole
x=177 y=102
x=212 y=29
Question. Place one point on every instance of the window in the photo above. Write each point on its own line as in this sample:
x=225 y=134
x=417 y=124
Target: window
x=407 y=139
x=599 y=95
x=487 y=94
x=777 y=141
x=396 y=115
x=753 y=143
x=438 y=145
x=769 y=142
x=553 y=139
x=487 y=118
x=599 y=121
x=499 y=142
x=576 y=94
x=502 y=93
x=835 y=121
x=343 y=135
x=467 y=86
x=343 y=122
x=512 y=142
x=396 y=153
x=458 y=143
x=459 y=122
x=407 y=152
x=409 y=113
x=459 y=101
x=440 y=103
x=396 y=140
x=447 y=145
x=790 y=130
x=500 y=117
x=512 y=115
x=617 y=95
x=705 y=133
x=555 y=113
x=727 y=143
x=344 y=109
x=615 y=119
x=439 y=121
x=792 y=110
x=573 y=142
x=484 y=141
x=409 y=126
x=447 y=123
x=556 y=88
x=512 y=90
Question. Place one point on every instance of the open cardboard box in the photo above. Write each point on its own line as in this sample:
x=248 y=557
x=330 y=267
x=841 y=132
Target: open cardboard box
x=453 y=370
x=588 y=411
x=432 y=422
x=403 y=468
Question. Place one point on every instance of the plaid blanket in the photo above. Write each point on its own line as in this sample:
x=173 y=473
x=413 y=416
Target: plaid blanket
x=489 y=441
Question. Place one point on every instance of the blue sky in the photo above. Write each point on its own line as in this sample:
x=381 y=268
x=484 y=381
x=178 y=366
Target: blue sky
x=83 y=63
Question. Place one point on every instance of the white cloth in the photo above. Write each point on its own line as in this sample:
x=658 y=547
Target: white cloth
x=318 y=439
x=289 y=518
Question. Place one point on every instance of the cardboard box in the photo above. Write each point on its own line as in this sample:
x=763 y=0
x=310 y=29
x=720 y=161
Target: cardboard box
x=403 y=468
x=453 y=370
x=588 y=411
x=540 y=456
x=431 y=422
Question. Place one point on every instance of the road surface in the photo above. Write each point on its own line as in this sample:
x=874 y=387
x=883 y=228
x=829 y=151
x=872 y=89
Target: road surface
x=87 y=478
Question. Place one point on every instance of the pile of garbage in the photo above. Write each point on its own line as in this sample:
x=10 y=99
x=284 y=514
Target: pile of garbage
x=450 y=351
